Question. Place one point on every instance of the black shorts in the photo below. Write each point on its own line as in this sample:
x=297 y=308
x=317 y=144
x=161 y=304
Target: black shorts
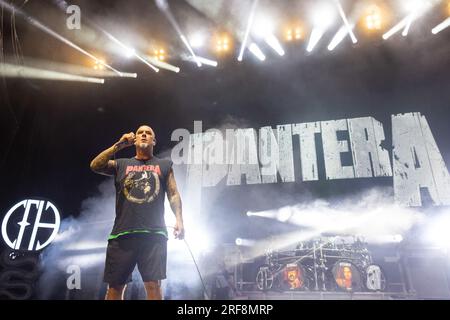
x=148 y=251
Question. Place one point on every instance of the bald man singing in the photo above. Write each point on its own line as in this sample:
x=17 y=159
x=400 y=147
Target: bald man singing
x=139 y=236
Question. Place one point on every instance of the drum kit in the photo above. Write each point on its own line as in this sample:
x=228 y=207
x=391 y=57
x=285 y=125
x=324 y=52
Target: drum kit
x=323 y=264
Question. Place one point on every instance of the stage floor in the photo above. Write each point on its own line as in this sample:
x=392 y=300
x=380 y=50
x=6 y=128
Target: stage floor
x=323 y=295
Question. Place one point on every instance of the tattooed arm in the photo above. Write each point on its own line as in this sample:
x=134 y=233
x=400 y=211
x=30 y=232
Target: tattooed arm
x=175 y=203
x=103 y=164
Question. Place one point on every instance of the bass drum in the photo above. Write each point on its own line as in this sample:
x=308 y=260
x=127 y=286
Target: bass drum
x=347 y=276
x=375 y=279
x=293 y=277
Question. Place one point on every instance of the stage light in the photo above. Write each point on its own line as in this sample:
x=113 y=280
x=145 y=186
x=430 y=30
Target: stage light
x=408 y=25
x=257 y=51
x=99 y=64
x=263 y=28
x=373 y=18
x=202 y=60
x=293 y=34
x=348 y=26
x=411 y=6
x=415 y=9
x=163 y=5
x=129 y=53
x=289 y=36
x=223 y=44
x=284 y=214
x=322 y=18
x=197 y=40
x=441 y=26
x=208 y=62
x=159 y=54
x=161 y=64
x=52 y=33
x=19 y=71
x=316 y=34
x=340 y=35
x=298 y=33
x=244 y=242
x=436 y=231
x=273 y=42
x=396 y=28
x=247 y=30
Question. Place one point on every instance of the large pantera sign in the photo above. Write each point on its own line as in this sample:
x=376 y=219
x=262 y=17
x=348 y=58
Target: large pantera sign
x=351 y=148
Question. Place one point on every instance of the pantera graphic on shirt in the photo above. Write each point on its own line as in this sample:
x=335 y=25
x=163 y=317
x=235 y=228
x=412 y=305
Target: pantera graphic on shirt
x=142 y=183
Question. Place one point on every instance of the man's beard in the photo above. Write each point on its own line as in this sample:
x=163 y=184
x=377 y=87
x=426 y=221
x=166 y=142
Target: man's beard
x=143 y=145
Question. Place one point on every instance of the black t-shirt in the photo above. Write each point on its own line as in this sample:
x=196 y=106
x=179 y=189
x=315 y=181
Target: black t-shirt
x=140 y=191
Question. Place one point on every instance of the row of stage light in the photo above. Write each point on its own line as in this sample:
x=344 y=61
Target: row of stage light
x=374 y=19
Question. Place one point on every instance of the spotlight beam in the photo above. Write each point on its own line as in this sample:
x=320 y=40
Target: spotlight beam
x=441 y=26
x=134 y=53
x=340 y=35
x=405 y=24
x=52 y=33
x=247 y=31
x=19 y=71
x=316 y=34
x=396 y=28
x=347 y=25
x=64 y=6
x=205 y=61
x=408 y=25
x=273 y=42
x=257 y=51
x=163 y=65
x=164 y=7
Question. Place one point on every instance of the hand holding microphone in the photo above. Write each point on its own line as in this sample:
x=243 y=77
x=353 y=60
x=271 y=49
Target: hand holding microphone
x=126 y=140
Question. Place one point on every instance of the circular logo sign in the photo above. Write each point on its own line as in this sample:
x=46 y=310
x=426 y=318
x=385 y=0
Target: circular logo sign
x=32 y=234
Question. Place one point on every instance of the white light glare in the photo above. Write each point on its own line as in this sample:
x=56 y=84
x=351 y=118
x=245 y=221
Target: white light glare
x=204 y=61
x=247 y=30
x=323 y=17
x=346 y=23
x=340 y=35
x=273 y=42
x=437 y=231
x=262 y=28
x=441 y=26
x=412 y=6
x=415 y=9
x=197 y=40
x=257 y=51
x=244 y=242
x=316 y=34
x=129 y=53
x=284 y=214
